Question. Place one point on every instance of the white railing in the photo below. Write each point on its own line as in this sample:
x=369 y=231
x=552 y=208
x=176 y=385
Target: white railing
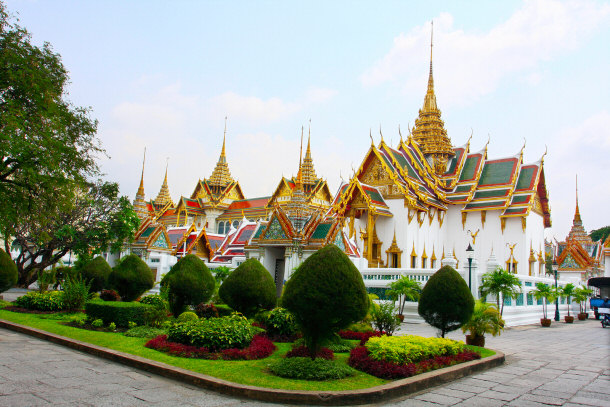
x=520 y=311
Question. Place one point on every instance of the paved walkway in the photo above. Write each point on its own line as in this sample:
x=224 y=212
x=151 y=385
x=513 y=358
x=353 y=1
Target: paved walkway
x=565 y=365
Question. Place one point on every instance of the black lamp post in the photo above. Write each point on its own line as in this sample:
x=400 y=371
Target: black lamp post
x=470 y=255
x=555 y=267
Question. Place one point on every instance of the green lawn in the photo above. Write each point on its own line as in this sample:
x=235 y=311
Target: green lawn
x=250 y=372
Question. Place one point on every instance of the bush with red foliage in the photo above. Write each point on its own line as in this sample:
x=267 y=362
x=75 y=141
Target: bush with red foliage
x=204 y=310
x=361 y=336
x=359 y=359
x=110 y=295
x=259 y=348
x=303 y=352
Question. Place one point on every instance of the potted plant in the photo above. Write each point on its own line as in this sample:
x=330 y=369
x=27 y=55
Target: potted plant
x=581 y=294
x=501 y=284
x=404 y=290
x=568 y=292
x=545 y=292
x=485 y=319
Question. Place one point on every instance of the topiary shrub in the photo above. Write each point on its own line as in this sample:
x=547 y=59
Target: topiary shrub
x=96 y=271
x=307 y=369
x=325 y=294
x=8 y=272
x=121 y=313
x=187 y=316
x=249 y=288
x=189 y=282
x=131 y=278
x=214 y=333
x=446 y=302
x=47 y=301
x=155 y=300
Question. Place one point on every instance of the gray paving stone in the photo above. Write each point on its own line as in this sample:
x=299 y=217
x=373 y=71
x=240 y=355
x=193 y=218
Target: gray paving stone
x=453 y=392
x=480 y=402
x=557 y=394
x=554 y=401
x=439 y=399
x=510 y=389
x=22 y=400
x=589 y=402
x=499 y=395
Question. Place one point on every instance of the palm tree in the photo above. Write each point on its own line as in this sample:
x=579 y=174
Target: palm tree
x=485 y=319
x=502 y=284
x=580 y=296
x=568 y=291
x=405 y=289
x=544 y=291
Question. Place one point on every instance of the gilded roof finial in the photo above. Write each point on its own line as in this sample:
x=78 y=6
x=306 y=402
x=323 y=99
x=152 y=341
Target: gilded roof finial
x=371 y=136
x=301 y=151
x=400 y=134
x=221 y=176
x=309 y=173
x=164 y=196
x=380 y=133
x=141 y=188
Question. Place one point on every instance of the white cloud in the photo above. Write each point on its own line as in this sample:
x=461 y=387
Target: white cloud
x=469 y=65
x=582 y=150
x=256 y=110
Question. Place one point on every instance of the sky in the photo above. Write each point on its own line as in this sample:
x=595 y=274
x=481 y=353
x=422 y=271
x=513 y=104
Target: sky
x=164 y=75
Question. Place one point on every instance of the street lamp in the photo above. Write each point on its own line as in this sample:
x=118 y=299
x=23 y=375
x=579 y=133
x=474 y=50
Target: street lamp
x=555 y=267
x=470 y=255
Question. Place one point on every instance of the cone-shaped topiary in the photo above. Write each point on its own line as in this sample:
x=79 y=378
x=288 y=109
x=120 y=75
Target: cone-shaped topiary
x=189 y=282
x=96 y=271
x=249 y=288
x=446 y=302
x=131 y=278
x=325 y=294
x=8 y=272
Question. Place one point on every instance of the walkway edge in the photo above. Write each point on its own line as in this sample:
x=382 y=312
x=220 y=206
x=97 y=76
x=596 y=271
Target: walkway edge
x=376 y=394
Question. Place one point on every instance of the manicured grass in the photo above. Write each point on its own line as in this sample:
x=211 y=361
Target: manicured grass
x=250 y=372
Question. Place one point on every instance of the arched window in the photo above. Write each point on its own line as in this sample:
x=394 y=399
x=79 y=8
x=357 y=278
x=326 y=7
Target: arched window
x=221 y=228
x=235 y=224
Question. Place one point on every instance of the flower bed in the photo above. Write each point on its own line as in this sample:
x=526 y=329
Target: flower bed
x=360 y=359
x=303 y=352
x=260 y=347
x=360 y=336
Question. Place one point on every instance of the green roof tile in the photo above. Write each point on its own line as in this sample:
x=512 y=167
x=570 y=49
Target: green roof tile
x=497 y=173
x=321 y=231
x=525 y=177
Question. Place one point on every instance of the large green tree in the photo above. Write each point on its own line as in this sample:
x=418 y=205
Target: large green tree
x=88 y=219
x=600 y=234
x=48 y=152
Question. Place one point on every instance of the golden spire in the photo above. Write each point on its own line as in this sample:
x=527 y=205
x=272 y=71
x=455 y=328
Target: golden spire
x=309 y=173
x=221 y=176
x=429 y=131
x=141 y=188
x=139 y=204
x=578 y=231
x=164 y=196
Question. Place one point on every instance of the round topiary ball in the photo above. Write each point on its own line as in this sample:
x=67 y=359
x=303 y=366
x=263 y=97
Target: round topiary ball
x=249 y=288
x=187 y=316
x=8 y=272
x=325 y=294
x=446 y=303
x=189 y=282
x=131 y=278
x=96 y=271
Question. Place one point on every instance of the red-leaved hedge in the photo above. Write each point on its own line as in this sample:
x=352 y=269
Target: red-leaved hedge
x=303 y=352
x=359 y=359
x=361 y=336
x=259 y=348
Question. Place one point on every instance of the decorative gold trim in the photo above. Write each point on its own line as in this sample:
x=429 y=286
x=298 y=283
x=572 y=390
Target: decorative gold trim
x=483 y=217
x=431 y=215
x=441 y=218
x=394 y=249
x=523 y=223
x=423 y=217
x=503 y=224
x=411 y=214
x=464 y=216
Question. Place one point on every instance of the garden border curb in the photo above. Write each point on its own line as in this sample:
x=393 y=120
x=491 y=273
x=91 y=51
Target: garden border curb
x=375 y=394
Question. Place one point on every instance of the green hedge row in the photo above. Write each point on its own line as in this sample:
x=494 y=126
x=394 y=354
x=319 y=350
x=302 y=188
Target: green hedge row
x=121 y=313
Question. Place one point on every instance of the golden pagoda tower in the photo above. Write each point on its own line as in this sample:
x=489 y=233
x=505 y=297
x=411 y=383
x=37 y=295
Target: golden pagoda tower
x=429 y=131
x=221 y=176
x=308 y=172
x=578 y=232
x=139 y=204
x=297 y=209
x=164 y=196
